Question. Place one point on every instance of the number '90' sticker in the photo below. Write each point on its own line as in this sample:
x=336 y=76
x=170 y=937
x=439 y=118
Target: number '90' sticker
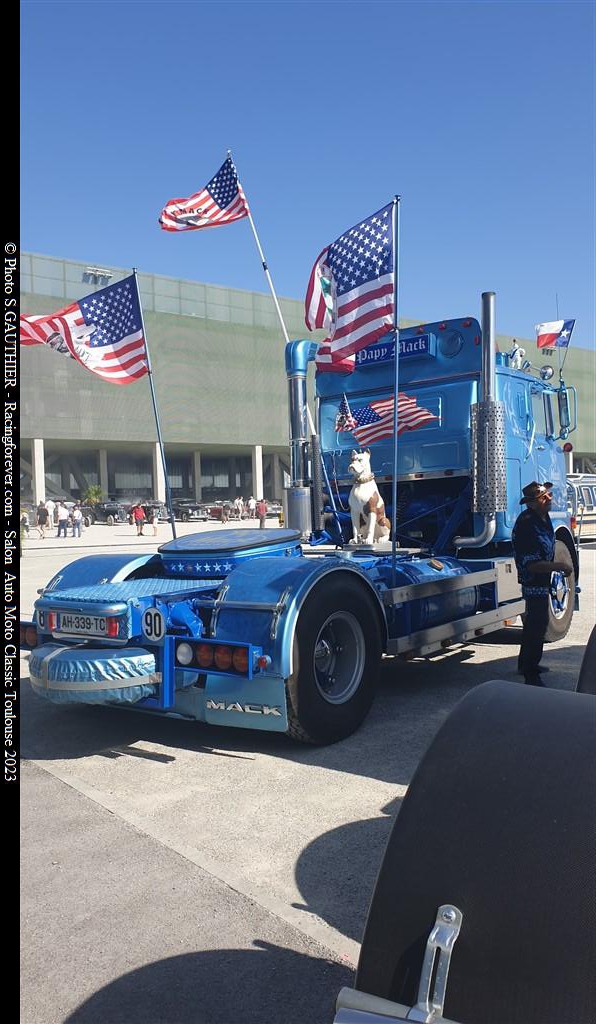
x=153 y=625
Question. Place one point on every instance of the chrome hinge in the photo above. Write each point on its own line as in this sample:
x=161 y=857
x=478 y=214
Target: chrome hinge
x=441 y=941
x=279 y=608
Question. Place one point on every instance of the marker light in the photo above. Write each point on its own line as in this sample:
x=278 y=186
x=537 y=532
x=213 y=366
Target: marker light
x=264 y=661
x=567 y=447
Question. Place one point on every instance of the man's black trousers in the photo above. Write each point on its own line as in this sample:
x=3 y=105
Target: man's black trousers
x=534 y=631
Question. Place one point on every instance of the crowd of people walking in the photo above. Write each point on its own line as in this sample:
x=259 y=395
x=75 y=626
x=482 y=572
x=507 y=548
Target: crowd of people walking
x=48 y=514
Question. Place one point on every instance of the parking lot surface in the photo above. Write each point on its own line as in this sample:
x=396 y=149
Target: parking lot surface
x=176 y=872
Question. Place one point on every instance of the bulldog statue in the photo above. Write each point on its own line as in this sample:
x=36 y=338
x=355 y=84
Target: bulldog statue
x=369 y=523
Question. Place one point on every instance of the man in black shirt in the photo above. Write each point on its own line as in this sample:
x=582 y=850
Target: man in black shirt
x=534 y=546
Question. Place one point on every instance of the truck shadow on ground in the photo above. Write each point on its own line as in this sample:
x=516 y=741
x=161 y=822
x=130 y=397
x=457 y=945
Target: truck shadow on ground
x=412 y=701
x=263 y=985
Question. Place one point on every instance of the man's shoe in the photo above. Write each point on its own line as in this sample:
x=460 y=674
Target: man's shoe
x=534 y=681
x=541 y=670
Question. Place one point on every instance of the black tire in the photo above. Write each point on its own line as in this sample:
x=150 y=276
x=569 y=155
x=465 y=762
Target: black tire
x=338 y=628
x=110 y=520
x=87 y=521
x=486 y=826
x=586 y=682
x=560 y=608
x=184 y=517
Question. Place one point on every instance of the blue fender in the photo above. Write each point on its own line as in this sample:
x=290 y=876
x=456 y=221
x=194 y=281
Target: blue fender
x=98 y=569
x=282 y=586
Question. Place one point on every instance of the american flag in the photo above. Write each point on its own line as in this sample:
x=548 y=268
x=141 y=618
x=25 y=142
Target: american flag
x=325 y=362
x=350 y=291
x=102 y=331
x=222 y=201
x=375 y=421
x=344 y=421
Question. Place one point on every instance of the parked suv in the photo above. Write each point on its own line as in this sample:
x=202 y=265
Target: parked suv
x=109 y=512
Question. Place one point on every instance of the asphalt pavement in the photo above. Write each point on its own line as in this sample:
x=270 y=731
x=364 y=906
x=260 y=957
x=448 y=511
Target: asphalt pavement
x=173 y=872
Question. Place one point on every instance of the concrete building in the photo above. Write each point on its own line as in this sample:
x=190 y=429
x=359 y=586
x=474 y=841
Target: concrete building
x=217 y=356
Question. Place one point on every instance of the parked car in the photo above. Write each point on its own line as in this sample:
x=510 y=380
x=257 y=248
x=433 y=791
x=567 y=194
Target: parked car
x=186 y=509
x=149 y=507
x=109 y=512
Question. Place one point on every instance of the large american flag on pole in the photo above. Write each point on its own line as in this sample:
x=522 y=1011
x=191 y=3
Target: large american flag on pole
x=350 y=290
x=222 y=201
x=375 y=421
x=102 y=331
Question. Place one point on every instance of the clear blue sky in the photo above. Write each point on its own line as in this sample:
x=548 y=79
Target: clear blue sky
x=480 y=115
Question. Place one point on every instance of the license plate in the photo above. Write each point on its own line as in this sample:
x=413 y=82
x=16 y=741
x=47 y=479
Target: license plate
x=90 y=625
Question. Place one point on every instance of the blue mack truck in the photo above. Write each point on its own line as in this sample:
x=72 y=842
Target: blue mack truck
x=284 y=630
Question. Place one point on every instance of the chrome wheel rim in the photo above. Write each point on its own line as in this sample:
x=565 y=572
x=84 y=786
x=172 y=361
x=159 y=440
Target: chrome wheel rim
x=339 y=657
x=559 y=594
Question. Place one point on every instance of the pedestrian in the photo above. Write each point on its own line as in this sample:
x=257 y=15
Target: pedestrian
x=138 y=515
x=62 y=519
x=534 y=547
x=42 y=520
x=262 y=512
x=77 y=521
x=155 y=521
x=225 y=511
x=25 y=522
x=252 y=507
x=51 y=507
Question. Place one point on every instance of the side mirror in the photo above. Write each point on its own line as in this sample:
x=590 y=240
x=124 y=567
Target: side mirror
x=564 y=413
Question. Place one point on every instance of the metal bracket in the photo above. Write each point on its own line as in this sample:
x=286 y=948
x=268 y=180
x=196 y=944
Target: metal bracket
x=279 y=608
x=433 y=977
x=221 y=596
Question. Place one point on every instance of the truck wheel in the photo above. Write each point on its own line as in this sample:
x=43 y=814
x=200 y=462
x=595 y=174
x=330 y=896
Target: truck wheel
x=337 y=654
x=562 y=600
x=486 y=826
x=111 y=520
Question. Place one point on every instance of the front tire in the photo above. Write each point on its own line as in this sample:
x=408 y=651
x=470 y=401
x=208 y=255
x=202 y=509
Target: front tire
x=111 y=520
x=561 y=600
x=336 y=656
x=184 y=517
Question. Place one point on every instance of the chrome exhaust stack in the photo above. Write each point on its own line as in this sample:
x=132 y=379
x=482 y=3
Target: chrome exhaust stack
x=297 y=497
x=487 y=421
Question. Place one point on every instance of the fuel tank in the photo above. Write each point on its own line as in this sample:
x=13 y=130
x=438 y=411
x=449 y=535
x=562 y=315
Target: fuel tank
x=434 y=609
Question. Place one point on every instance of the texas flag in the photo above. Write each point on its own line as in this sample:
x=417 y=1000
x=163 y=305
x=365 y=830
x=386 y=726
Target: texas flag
x=555 y=334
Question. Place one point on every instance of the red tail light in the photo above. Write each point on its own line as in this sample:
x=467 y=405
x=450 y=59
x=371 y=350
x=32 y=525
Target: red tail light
x=112 y=624
x=51 y=621
x=223 y=658
x=204 y=655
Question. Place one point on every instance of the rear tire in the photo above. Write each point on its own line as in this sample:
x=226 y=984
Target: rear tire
x=561 y=606
x=111 y=520
x=87 y=521
x=184 y=517
x=336 y=656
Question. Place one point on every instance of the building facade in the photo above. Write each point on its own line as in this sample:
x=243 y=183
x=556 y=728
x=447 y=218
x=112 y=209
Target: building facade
x=217 y=356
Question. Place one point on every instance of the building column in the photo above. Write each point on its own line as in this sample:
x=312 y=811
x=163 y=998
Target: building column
x=103 y=473
x=38 y=476
x=257 y=471
x=276 y=480
x=159 y=480
x=197 y=475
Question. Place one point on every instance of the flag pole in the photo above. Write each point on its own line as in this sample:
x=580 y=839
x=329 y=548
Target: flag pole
x=395 y=218
x=153 y=399
x=274 y=296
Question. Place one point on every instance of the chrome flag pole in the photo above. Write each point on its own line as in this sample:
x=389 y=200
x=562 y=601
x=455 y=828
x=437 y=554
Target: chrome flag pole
x=396 y=202
x=274 y=296
x=153 y=399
